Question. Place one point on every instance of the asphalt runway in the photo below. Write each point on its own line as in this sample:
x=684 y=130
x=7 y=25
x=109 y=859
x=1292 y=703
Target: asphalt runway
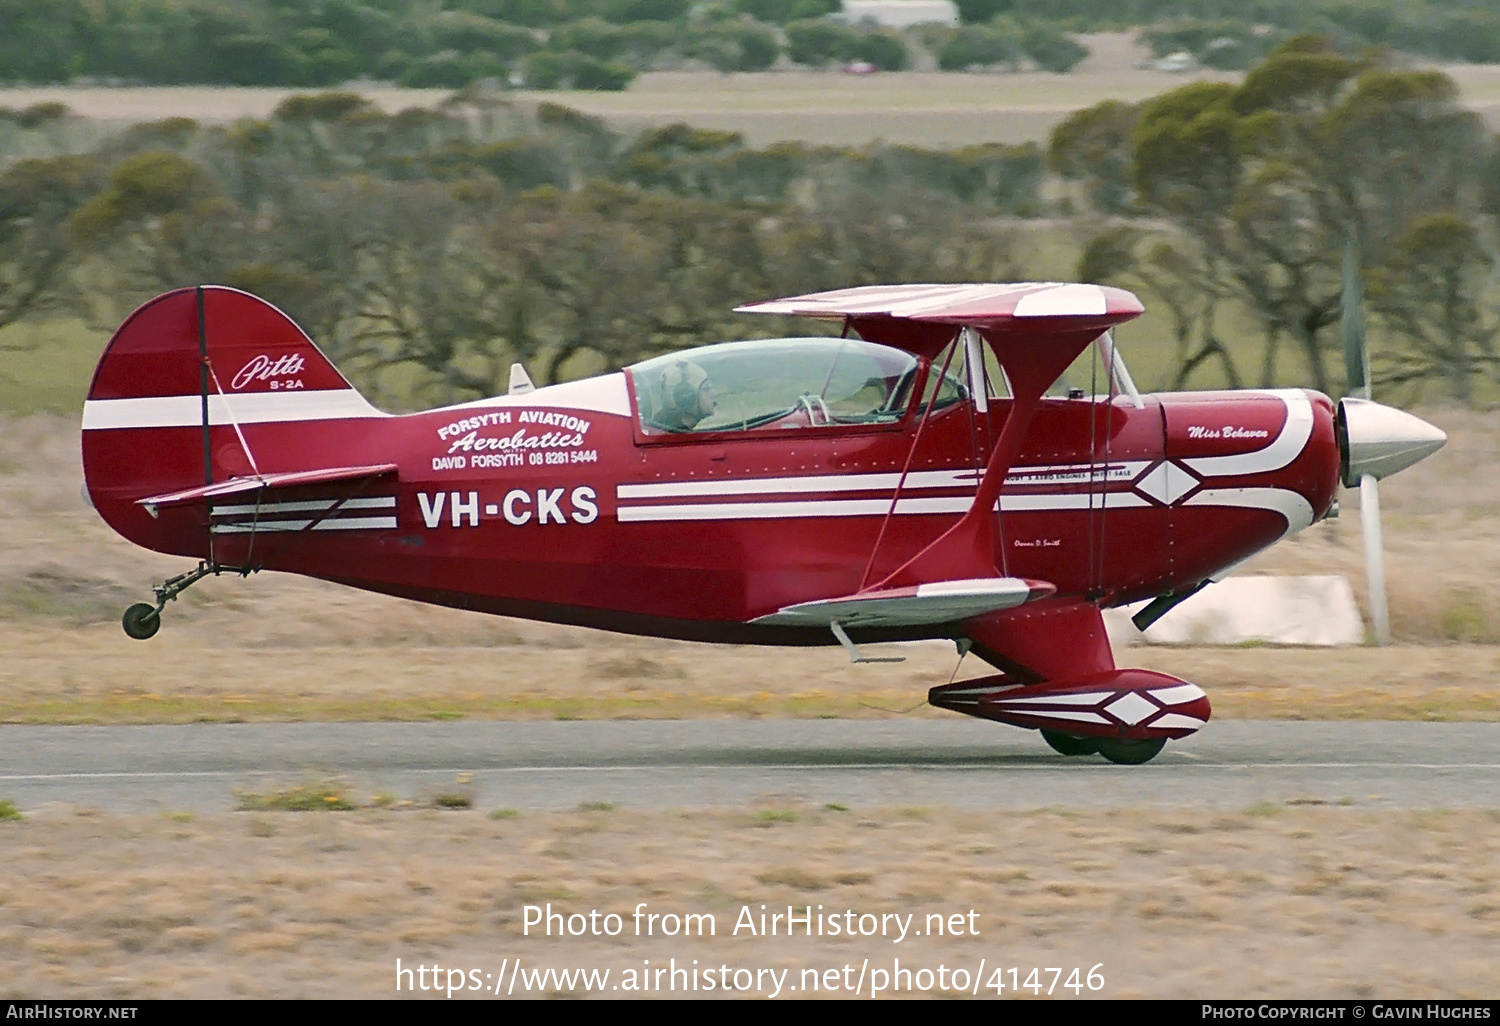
x=695 y=763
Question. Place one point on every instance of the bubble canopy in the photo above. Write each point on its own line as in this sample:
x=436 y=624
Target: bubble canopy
x=777 y=383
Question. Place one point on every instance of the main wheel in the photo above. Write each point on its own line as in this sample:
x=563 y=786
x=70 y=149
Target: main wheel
x=141 y=621
x=1128 y=752
x=1067 y=744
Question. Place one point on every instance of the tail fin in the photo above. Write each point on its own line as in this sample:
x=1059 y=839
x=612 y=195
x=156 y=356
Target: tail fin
x=200 y=386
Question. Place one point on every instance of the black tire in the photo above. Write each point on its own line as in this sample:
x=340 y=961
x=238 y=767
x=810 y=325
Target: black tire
x=1067 y=744
x=1129 y=752
x=141 y=621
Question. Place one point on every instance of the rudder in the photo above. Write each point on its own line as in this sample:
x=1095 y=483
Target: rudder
x=209 y=350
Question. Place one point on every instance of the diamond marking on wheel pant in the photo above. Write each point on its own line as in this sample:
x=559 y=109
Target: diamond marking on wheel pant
x=1131 y=708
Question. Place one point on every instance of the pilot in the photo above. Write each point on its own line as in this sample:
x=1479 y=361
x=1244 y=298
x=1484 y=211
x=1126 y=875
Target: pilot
x=687 y=396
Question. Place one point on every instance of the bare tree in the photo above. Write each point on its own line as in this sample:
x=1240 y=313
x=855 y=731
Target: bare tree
x=1431 y=294
x=1187 y=284
x=36 y=253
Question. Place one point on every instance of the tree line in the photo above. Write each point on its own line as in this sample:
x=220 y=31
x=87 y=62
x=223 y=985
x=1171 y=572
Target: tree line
x=541 y=44
x=1238 y=33
x=1249 y=195
x=429 y=248
x=604 y=44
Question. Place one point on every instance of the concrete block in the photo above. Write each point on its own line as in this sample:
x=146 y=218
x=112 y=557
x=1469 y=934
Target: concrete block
x=1276 y=610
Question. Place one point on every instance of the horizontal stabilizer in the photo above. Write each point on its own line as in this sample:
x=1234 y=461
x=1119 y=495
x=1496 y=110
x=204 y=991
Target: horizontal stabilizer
x=920 y=605
x=259 y=482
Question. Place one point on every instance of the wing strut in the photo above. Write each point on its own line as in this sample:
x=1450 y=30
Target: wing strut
x=855 y=655
x=967 y=549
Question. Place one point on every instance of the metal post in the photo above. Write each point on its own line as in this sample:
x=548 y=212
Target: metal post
x=1369 y=520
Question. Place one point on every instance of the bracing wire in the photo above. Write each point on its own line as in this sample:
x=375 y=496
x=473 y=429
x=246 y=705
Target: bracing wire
x=1093 y=466
x=1109 y=415
x=906 y=712
x=910 y=453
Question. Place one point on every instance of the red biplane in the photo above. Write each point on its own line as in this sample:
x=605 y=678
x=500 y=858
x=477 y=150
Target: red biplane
x=969 y=462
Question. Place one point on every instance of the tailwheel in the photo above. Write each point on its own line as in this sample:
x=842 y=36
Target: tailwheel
x=1130 y=752
x=141 y=621
x=1067 y=744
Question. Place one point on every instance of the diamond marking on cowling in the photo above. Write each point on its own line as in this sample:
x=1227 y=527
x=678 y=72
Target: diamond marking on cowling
x=1166 y=483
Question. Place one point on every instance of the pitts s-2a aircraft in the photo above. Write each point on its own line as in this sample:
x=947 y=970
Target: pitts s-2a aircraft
x=911 y=479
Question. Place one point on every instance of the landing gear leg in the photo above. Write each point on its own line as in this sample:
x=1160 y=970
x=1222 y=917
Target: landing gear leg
x=143 y=620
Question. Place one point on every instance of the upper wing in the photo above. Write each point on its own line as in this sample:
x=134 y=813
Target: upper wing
x=921 y=318
x=916 y=606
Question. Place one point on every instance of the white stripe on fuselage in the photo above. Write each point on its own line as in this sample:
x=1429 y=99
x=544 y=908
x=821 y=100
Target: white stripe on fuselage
x=606 y=394
x=793 y=485
x=771 y=510
x=340 y=524
x=1287 y=446
x=1075 y=473
x=603 y=394
x=254 y=408
x=1294 y=507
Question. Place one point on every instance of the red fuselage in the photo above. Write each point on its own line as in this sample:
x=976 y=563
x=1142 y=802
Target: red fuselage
x=559 y=505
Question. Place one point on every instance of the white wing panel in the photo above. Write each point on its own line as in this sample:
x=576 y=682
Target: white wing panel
x=937 y=602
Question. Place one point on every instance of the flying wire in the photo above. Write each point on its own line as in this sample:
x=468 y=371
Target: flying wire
x=893 y=712
x=904 y=712
x=910 y=453
x=229 y=412
x=1093 y=455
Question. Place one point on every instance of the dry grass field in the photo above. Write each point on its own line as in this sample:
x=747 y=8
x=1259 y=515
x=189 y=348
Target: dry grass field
x=1274 y=901
x=1278 y=900
x=915 y=108
x=925 y=107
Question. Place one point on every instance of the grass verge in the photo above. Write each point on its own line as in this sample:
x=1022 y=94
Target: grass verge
x=319 y=796
x=1310 y=702
x=1341 y=903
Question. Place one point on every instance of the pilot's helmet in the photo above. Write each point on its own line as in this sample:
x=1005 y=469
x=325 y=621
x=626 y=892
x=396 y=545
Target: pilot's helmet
x=680 y=388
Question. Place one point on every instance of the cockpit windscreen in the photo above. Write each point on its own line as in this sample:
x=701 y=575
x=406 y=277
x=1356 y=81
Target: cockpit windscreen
x=774 y=383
